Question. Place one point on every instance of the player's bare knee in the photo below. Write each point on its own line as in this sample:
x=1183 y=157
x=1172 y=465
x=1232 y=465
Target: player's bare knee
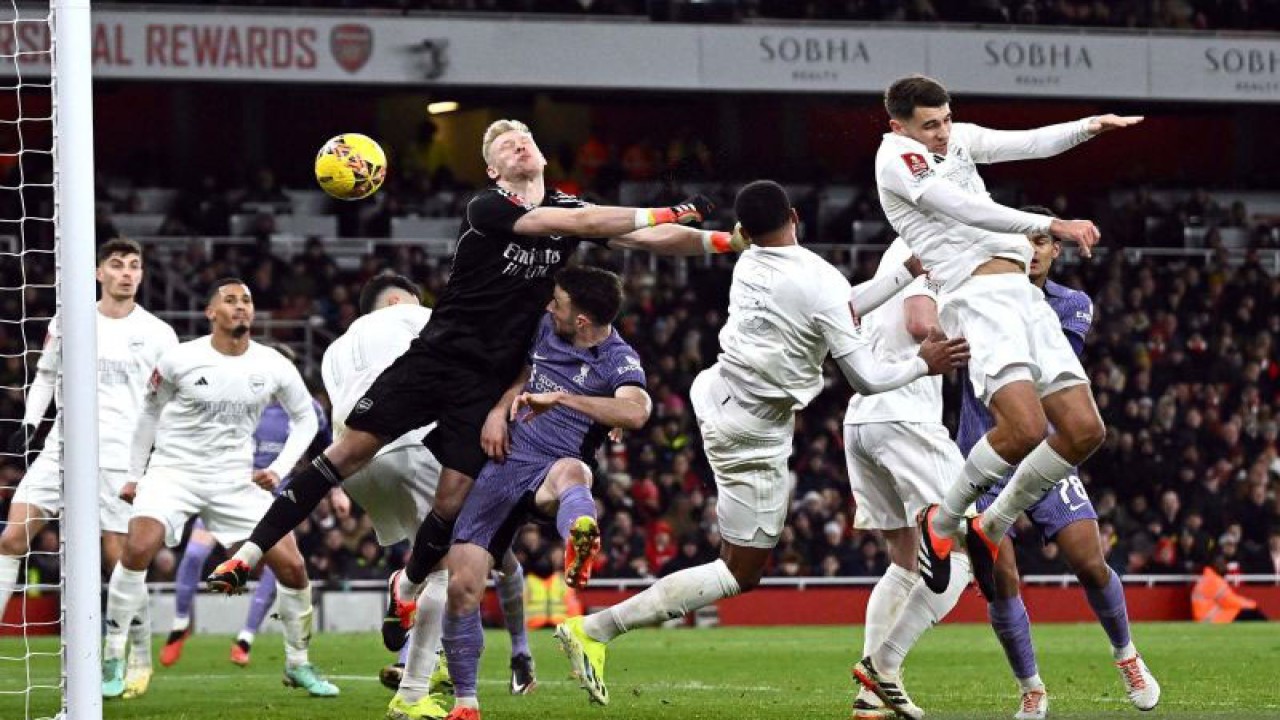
x=746 y=573
x=13 y=541
x=568 y=472
x=137 y=555
x=465 y=593
x=1092 y=571
x=291 y=572
x=352 y=451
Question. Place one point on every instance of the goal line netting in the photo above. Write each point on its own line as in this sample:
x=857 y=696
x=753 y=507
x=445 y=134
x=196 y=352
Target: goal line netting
x=49 y=575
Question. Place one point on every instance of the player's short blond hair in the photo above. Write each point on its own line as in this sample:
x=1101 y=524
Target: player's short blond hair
x=497 y=128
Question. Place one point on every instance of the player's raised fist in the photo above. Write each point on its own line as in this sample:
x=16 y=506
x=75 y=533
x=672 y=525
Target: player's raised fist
x=1081 y=232
x=943 y=355
x=1103 y=123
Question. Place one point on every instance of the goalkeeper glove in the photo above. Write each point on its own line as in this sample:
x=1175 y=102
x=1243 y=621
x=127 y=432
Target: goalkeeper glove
x=691 y=211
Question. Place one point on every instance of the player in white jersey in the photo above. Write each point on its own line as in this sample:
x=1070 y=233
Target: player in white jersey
x=900 y=459
x=398 y=486
x=788 y=310
x=193 y=452
x=1022 y=366
x=130 y=339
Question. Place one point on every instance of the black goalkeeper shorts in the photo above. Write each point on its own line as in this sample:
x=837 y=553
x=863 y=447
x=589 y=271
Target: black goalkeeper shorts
x=418 y=389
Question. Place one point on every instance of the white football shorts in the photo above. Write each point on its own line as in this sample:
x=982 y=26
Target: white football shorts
x=397 y=490
x=748 y=455
x=42 y=487
x=230 y=510
x=896 y=469
x=1013 y=335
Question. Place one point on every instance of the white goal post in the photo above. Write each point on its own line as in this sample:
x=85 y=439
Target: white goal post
x=77 y=295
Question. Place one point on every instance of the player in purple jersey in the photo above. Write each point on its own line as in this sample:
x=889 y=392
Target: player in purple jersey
x=581 y=380
x=268 y=440
x=1064 y=516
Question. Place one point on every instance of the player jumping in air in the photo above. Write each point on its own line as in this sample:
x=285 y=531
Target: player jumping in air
x=1064 y=516
x=788 y=311
x=1022 y=366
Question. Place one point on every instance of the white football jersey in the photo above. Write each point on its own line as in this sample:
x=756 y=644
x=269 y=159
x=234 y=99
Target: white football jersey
x=919 y=401
x=948 y=249
x=369 y=346
x=128 y=349
x=788 y=309
x=211 y=404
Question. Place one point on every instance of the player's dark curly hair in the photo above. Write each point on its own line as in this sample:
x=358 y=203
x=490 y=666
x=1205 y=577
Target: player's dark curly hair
x=379 y=284
x=905 y=95
x=595 y=292
x=762 y=206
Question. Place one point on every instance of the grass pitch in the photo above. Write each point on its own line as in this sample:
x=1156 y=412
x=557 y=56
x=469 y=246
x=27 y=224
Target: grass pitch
x=957 y=671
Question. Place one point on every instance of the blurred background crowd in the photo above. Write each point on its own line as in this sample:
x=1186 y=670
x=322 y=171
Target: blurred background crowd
x=1183 y=357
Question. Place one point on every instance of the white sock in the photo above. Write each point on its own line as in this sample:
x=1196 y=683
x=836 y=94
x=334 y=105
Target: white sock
x=466 y=702
x=424 y=639
x=251 y=554
x=181 y=622
x=247 y=636
x=1124 y=653
x=1032 y=683
x=408 y=588
x=1037 y=474
x=983 y=468
x=296 y=615
x=126 y=599
x=140 y=638
x=10 y=566
x=673 y=596
x=884 y=605
x=922 y=609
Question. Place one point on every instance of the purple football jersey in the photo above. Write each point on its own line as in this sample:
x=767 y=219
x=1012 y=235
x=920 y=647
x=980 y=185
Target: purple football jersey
x=273 y=430
x=558 y=365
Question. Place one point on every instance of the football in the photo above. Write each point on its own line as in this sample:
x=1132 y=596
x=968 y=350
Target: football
x=351 y=166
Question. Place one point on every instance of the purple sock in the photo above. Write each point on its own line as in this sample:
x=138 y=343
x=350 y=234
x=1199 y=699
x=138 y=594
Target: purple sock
x=510 y=588
x=574 y=503
x=1013 y=628
x=1108 y=604
x=463 y=644
x=263 y=598
x=403 y=656
x=188 y=576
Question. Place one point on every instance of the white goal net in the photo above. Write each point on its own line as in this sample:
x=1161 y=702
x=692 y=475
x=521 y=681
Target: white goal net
x=48 y=564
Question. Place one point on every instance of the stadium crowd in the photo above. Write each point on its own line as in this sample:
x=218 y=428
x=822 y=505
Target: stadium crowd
x=1179 y=14
x=1183 y=356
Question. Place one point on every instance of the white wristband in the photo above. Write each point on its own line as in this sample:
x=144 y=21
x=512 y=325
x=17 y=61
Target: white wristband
x=644 y=218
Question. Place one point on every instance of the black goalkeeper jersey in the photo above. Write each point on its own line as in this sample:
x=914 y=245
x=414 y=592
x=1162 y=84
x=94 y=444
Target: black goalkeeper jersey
x=499 y=285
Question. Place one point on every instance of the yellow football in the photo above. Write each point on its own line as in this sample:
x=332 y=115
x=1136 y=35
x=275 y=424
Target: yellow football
x=351 y=166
